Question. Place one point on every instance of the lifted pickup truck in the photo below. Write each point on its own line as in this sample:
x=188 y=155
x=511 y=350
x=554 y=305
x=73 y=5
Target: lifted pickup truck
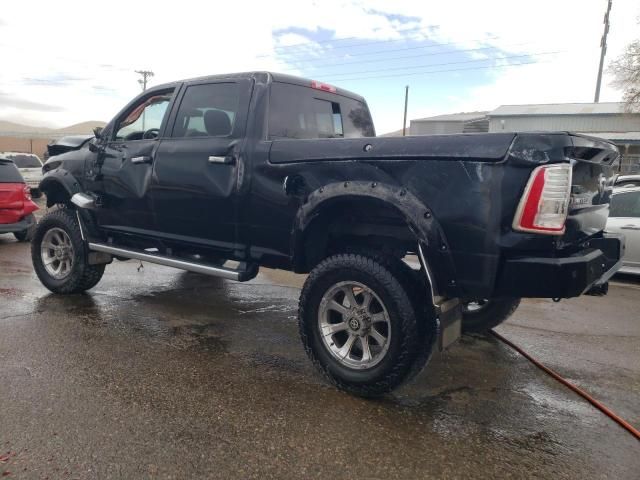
x=224 y=174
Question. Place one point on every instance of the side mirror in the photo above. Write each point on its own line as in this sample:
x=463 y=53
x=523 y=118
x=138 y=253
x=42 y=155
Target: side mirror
x=97 y=132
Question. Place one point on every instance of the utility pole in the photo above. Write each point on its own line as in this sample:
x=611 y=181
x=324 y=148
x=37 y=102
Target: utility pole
x=146 y=74
x=406 y=101
x=603 y=51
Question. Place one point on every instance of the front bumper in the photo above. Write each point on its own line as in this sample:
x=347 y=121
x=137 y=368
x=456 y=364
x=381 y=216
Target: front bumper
x=562 y=277
x=23 y=224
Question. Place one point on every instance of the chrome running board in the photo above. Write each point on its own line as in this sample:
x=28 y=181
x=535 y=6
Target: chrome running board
x=239 y=275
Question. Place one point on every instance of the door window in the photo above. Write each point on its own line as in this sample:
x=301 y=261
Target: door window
x=625 y=205
x=207 y=110
x=143 y=121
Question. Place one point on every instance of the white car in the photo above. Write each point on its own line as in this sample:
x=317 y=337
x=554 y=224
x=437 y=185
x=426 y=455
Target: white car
x=30 y=167
x=628 y=181
x=624 y=218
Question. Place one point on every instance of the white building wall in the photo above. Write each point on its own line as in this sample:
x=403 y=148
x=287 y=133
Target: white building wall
x=576 y=123
x=435 y=128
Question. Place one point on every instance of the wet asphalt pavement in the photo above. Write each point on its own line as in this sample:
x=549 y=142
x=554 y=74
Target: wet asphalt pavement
x=159 y=373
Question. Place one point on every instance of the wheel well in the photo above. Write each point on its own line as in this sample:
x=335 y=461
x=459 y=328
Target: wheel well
x=354 y=222
x=56 y=193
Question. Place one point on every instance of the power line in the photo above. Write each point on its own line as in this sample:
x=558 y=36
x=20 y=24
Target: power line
x=413 y=67
x=435 y=45
x=438 y=71
x=420 y=55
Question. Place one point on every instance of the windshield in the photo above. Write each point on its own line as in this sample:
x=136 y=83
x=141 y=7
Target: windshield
x=25 y=160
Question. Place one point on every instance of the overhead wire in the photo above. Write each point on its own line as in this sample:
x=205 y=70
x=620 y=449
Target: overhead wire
x=414 y=67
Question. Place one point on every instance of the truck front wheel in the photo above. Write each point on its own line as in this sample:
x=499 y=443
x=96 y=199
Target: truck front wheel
x=482 y=315
x=358 y=324
x=59 y=254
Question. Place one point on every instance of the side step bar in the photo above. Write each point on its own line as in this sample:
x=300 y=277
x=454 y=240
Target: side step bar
x=227 y=273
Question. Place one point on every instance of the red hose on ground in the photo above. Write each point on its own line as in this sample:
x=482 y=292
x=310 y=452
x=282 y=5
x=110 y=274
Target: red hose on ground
x=623 y=423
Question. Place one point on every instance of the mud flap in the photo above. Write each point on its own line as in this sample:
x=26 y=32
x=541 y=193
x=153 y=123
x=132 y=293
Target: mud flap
x=450 y=322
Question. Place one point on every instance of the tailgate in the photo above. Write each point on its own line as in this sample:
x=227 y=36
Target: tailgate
x=595 y=166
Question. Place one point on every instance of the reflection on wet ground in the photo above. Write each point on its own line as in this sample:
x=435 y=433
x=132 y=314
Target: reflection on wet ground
x=160 y=373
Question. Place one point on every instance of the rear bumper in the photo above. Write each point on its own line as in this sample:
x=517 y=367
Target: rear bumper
x=23 y=224
x=562 y=277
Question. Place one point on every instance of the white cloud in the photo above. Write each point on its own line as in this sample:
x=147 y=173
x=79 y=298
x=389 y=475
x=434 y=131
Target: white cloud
x=82 y=56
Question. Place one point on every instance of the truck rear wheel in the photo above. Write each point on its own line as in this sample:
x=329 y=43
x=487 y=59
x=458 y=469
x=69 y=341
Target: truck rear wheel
x=482 y=315
x=59 y=254
x=358 y=324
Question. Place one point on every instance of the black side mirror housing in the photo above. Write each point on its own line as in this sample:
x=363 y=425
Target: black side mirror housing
x=97 y=132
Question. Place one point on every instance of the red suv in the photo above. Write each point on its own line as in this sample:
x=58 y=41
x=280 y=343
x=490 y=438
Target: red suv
x=16 y=206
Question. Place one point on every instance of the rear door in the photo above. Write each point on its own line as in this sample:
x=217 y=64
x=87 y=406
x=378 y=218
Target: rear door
x=624 y=218
x=196 y=166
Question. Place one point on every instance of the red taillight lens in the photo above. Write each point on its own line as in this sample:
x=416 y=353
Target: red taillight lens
x=27 y=192
x=543 y=207
x=325 y=87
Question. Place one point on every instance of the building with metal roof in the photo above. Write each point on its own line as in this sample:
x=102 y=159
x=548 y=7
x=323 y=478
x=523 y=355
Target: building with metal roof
x=607 y=120
x=466 y=122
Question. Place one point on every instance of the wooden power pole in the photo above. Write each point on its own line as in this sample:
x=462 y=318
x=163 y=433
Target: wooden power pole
x=603 y=51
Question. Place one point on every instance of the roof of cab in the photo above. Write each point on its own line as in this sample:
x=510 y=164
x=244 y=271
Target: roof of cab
x=271 y=76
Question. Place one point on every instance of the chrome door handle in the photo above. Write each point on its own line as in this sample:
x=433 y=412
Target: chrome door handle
x=630 y=227
x=227 y=160
x=141 y=159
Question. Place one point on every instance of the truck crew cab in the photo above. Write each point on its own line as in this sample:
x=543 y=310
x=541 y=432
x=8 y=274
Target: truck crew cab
x=262 y=169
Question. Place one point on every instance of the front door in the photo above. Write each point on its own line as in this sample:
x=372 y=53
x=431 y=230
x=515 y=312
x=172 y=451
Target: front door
x=127 y=165
x=197 y=164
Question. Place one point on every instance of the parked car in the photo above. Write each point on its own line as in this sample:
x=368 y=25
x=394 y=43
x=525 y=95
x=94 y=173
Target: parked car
x=30 y=167
x=64 y=144
x=628 y=181
x=16 y=206
x=624 y=218
x=277 y=171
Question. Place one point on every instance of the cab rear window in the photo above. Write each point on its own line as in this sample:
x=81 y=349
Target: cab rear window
x=25 y=160
x=304 y=113
x=9 y=173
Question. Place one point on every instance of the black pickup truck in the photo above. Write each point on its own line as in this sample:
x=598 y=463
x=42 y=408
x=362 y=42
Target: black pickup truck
x=402 y=238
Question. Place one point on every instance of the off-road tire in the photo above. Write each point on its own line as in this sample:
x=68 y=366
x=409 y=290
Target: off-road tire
x=390 y=285
x=418 y=289
x=83 y=276
x=490 y=316
x=27 y=234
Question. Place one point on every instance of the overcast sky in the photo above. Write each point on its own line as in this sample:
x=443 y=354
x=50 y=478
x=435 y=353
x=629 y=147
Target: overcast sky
x=66 y=61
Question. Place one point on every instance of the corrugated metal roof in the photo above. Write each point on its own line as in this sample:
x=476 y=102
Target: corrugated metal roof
x=453 y=117
x=604 y=108
x=633 y=137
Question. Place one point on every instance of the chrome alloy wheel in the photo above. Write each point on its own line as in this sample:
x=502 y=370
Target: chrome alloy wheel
x=354 y=325
x=57 y=253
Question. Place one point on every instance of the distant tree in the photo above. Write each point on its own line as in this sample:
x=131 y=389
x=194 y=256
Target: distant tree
x=626 y=70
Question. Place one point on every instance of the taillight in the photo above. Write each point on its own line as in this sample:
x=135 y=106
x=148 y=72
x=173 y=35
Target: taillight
x=27 y=192
x=543 y=207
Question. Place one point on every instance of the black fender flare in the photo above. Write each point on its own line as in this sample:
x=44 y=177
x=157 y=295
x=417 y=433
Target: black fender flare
x=419 y=217
x=59 y=182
